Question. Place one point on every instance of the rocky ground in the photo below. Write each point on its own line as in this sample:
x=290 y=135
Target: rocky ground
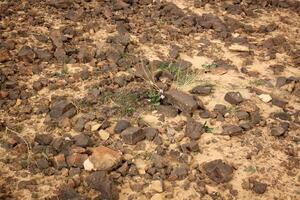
x=149 y=99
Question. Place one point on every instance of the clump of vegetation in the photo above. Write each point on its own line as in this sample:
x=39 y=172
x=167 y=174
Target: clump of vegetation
x=181 y=76
x=210 y=66
x=232 y=109
x=250 y=169
x=125 y=102
x=258 y=82
x=154 y=97
x=206 y=128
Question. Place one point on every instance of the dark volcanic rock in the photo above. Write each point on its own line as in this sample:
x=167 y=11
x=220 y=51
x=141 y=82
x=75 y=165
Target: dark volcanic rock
x=133 y=135
x=218 y=171
x=61 y=109
x=279 y=102
x=219 y=108
x=43 y=139
x=184 y=102
x=26 y=54
x=179 y=173
x=82 y=140
x=150 y=133
x=232 y=130
x=101 y=182
x=259 y=187
x=121 y=125
x=277 y=131
x=233 y=98
x=193 y=129
x=68 y=193
x=201 y=90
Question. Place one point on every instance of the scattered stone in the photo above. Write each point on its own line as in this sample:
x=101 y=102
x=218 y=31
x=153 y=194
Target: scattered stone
x=168 y=111
x=239 y=48
x=42 y=163
x=202 y=90
x=133 y=135
x=219 y=108
x=277 y=131
x=4 y=55
x=218 y=171
x=82 y=140
x=68 y=193
x=233 y=98
x=265 y=98
x=156 y=186
x=179 y=173
x=184 y=102
x=104 y=135
x=61 y=109
x=43 y=139
x=193 y=129
x=278 y=102
x=121 y=126
x=259 y=187
x=80 y=123
x=26 y=54
x=281 y=81
x=101 y=182
x=282 y=115
x=102 y=158
x=59 y=161
x=76 y=160
x=242 y=115
x=232 y=130
x=150 y=133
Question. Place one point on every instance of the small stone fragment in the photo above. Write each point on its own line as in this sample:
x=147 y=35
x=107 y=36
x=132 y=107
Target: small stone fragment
x=43 y=139
x=232 y=130
x=76 y=159
x=59 y=161
x=121 y=126
x=103 y=158
x=233 y=98
x=156 y=186
x=218 y=171
x=184 y=102
x=101 y=182
x=193 y=129
x=259 y=187
x=133 y=135
x=277 y=131
x=150 y=133
x=201 y=90
x=82 y=140
x=239 y=48
x=62 y=108
x=104 y=135
x=265 y=98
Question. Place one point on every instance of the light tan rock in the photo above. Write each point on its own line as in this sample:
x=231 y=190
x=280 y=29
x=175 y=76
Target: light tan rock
x=102 y=158
x=156 y=186
x=104 y=135
x=239 y=48
x=265 y=98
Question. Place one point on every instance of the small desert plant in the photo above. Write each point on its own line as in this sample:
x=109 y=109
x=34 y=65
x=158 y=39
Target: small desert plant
x=181 y=76
x=154 y=97
x=258 y=82
x=206 y=128
x=210 y=66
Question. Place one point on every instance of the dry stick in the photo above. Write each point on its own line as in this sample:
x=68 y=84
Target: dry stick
x=27 y=144
x=148 y=77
